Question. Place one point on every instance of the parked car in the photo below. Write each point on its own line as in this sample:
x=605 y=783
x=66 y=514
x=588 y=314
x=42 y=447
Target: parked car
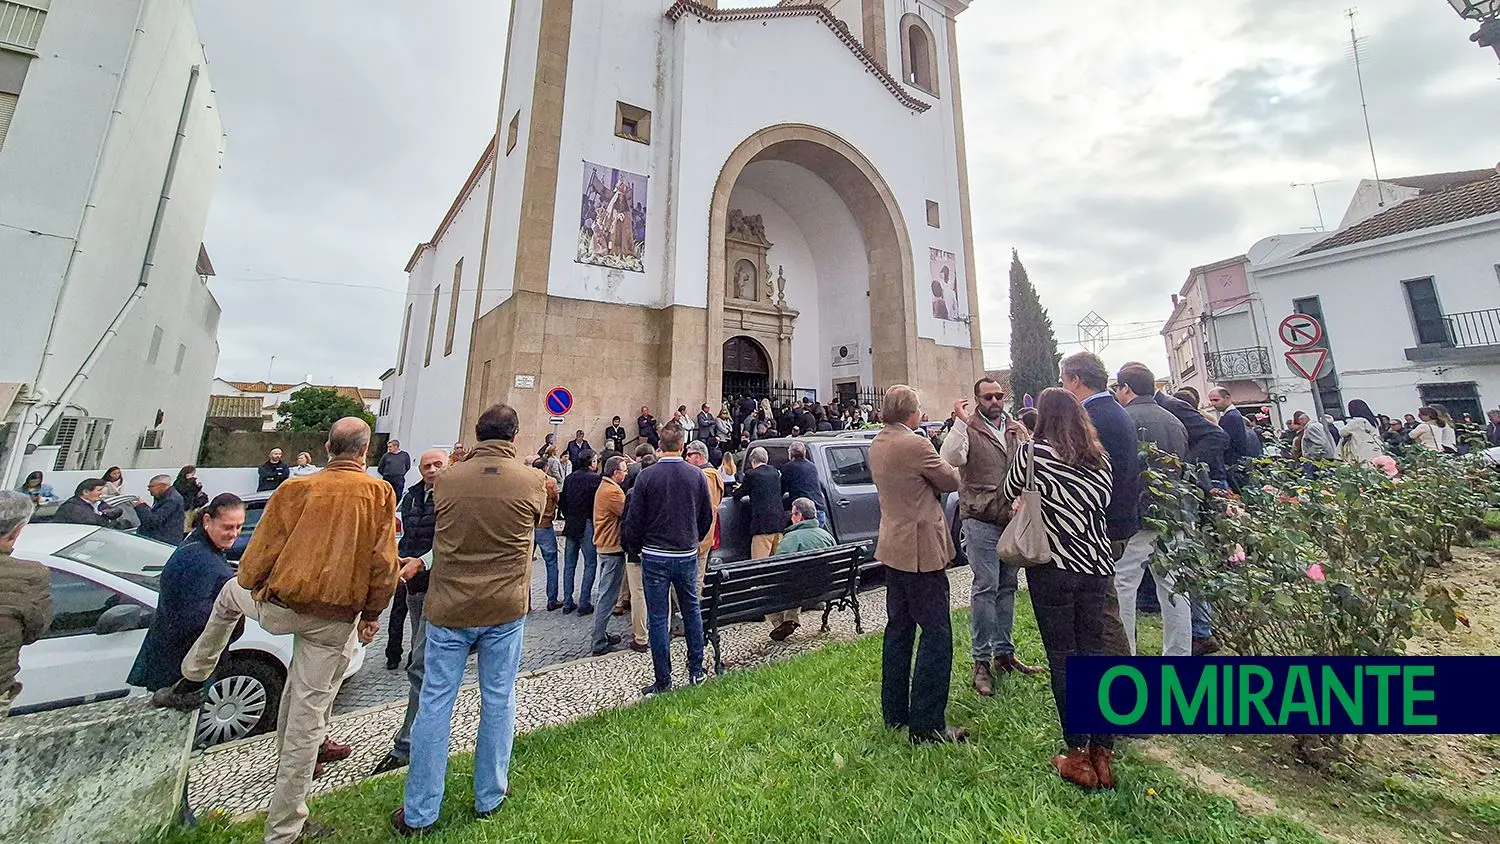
x=843 y=463
x=255 y=507
x=104 y=595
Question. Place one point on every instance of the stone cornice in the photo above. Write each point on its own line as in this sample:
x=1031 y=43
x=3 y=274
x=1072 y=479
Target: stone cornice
x=686 y=7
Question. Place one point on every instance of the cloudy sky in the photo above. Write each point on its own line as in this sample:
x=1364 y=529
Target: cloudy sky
x=1114 y=151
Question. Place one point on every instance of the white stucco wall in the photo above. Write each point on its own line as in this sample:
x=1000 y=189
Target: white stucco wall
x=47 y=167
x=1367 y=318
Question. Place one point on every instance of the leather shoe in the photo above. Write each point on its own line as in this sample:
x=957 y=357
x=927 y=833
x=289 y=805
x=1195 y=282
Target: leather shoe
x=782 y=631
x=620 y=609
x=947 y=735
x=1206 y=646
x=585 y=609
x=553 y=606
x=401 y=828
x=613 y=641
x=1009 y=663
x=1103 y=761
x=1076 y=767
x=983 y=686
x=313 y=831
x=182 y=696
x=392 y=662
x=568 y=608
x=391 y=762
x=332 y=751
x=639 y=648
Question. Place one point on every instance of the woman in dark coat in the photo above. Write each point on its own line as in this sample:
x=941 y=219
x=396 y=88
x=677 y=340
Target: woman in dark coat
x=190 y=582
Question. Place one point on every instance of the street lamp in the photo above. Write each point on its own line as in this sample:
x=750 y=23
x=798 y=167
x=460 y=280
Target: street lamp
x=1487 y=13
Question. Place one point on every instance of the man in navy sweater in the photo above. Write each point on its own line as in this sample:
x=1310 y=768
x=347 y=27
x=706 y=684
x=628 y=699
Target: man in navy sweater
x=1083 y=375
x=669 y=513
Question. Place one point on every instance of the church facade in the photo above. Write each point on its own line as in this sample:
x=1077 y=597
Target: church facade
x=683 y=203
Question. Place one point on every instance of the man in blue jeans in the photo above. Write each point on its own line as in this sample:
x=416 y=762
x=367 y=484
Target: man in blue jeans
x=669 y=514
x=546 y=536
x=488 y=508
x=577 y=508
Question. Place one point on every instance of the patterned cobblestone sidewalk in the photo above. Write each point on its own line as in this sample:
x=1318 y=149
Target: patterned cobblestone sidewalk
x=238 y=777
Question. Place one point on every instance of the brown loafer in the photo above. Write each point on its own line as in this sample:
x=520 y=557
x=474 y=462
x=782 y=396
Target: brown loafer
x=780 y=632
x=947 y=735
x=332 y=751
x=1102 y=759
x=984 y=686
x=1076 y=767
x=1009 y=663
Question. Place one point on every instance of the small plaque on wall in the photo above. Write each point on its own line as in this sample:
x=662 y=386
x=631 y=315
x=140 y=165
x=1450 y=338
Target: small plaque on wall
x=525 y=382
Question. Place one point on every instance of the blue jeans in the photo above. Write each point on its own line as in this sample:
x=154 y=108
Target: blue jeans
x=994 y=598
x=499 y=662
x=546 y=542
x=416 y=669
x=611 y=575
x=570 y=565
x=1202 y=620
x=680 y=574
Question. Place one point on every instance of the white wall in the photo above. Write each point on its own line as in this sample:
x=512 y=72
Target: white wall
x=1368 y=320
x=46 y=168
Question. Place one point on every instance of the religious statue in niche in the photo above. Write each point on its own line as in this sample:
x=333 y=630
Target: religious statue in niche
x=745 y=281
x=748 y=227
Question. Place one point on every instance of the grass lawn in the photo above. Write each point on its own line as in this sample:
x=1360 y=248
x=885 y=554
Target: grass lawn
x=796 y=752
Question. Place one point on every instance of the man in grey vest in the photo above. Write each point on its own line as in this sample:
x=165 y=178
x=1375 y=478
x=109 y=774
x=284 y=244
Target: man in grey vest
x=980 y=446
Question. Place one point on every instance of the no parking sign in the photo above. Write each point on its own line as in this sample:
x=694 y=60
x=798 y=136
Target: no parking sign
x=559 y=401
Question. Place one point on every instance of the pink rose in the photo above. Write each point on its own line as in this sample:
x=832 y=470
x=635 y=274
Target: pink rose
x=1268 y=489
x=1237 y=556
x=1315 y=571
x=1386 y=464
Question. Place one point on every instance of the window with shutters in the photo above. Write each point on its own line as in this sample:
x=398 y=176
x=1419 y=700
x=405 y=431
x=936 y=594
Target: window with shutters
x=7 y=111
x=458 y=283
x=21 y=22
x=1426 y=313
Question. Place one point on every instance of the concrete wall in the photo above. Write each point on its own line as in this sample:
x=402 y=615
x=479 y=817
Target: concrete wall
x=54 y=789
x=99 y=112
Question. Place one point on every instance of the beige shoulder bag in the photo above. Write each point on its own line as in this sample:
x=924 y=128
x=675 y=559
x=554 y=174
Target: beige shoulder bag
x=1024 y=542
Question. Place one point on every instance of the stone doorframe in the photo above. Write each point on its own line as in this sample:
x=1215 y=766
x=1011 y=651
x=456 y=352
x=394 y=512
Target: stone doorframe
x=893 y=326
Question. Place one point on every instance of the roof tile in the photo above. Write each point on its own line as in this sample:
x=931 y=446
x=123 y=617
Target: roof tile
x=1435 y=208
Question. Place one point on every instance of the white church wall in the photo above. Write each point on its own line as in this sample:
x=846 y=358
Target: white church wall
x=615 y=56
x=510 y=166
x=792 y=252
x=747 y=76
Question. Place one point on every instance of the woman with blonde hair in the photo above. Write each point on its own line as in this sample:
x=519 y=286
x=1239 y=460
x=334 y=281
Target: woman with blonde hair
x=304 y=466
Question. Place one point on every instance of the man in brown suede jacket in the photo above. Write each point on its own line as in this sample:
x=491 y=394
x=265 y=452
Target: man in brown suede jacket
x=25 y=595
x=320 y=567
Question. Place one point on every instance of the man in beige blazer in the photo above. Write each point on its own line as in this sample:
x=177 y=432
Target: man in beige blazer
x=916 y=549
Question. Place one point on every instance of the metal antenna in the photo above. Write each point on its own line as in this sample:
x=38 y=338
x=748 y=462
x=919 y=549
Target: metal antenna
x=1316 y=204
x=1360 y=76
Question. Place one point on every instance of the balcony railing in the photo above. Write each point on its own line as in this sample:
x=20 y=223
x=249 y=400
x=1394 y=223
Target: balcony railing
x=1473 y=328
x=1238 y=364
x=21 y=23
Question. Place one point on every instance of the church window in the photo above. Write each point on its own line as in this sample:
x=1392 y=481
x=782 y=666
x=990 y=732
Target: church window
x=632 y=123
x=458 y=280
x=932 y=215
x=918 y=55
x=513 y=133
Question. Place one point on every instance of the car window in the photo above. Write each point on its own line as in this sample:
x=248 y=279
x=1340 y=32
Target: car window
x=77 y=604
x=849 y=466
x=253 y=511
x=140 y=560
x=776 y=455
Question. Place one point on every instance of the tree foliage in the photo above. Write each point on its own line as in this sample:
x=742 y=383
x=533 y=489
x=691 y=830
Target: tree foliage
x=317 y=408
x=1033 y=347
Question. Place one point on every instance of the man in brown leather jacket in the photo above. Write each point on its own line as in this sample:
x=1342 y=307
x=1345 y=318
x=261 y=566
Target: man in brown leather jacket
x=25 y=595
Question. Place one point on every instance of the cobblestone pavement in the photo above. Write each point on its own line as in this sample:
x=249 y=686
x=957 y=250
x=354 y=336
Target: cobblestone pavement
x=238 y=777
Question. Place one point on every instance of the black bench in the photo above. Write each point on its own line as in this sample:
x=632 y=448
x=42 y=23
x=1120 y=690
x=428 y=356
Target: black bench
x=752 y=589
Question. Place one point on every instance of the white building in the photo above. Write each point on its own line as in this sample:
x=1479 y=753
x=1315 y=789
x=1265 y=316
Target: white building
x=92 y=96
x=271 y=395
x=1409 y=299
x=683 y=203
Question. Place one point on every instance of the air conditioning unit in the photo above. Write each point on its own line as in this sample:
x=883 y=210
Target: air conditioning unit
x=151 y=440
x=846 y=355
x=80 y=441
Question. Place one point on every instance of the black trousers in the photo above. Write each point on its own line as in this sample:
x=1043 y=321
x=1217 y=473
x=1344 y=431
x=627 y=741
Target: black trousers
x=397 y=625
x=916 y=698
x=399 y=485
x=1071 y=611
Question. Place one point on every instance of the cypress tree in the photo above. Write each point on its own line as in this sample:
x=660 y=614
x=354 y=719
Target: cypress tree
x=1033 y=347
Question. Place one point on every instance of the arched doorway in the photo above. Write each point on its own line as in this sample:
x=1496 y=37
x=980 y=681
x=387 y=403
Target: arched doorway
x=747 y=369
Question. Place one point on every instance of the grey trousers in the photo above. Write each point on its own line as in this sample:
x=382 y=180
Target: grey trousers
x=993 y=602
x=611 y=575
x=415 y=670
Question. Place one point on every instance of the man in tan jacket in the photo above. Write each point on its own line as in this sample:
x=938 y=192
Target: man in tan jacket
x=321 y=567
x=911 y=479
x=488 y=508
x=609 y=509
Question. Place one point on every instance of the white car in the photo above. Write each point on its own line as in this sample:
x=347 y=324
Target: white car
x=104 y=593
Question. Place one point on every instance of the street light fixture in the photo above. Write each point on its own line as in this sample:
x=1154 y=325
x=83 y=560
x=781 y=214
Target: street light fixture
x=1487 y=13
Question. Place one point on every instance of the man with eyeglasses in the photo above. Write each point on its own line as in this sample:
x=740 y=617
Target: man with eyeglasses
x=980 y=446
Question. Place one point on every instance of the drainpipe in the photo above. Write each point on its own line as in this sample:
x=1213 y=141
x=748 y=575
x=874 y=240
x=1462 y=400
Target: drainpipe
x=147 y=265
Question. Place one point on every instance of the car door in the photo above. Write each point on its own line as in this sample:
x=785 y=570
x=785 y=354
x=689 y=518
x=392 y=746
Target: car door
x=71 y=663
x=854 y=506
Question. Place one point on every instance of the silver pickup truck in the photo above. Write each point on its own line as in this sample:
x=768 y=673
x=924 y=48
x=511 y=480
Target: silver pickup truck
x=843 y=462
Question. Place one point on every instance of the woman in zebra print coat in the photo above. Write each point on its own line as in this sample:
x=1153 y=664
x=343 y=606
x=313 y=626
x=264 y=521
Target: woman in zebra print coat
x=1072 y=473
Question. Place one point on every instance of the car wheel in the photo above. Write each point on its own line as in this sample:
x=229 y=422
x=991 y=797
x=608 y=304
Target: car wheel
x=243 y=701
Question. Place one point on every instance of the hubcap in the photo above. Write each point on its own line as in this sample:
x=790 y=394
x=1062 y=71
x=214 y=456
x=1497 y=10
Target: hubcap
x=231 y=709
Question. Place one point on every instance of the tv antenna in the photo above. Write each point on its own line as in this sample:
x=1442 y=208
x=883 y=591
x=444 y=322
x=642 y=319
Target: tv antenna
x=1354 y=42
x=1316 y=204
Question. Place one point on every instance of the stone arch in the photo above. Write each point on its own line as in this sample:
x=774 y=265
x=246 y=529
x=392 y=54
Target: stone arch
x=919 y=64
x=875 y=210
